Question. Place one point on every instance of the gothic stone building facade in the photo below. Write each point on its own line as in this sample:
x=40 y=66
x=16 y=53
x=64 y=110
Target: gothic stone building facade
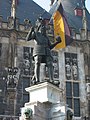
x=71 y=64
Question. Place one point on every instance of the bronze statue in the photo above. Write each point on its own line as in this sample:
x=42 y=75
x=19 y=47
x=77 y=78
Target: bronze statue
x=42 y=48
x=28 y=113
x=69 y=115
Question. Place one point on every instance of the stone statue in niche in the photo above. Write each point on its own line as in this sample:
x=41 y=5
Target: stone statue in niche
x=75 y=71
x=68 y=70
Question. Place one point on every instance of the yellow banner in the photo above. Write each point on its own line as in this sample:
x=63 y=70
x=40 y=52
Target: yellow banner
x=59 y=29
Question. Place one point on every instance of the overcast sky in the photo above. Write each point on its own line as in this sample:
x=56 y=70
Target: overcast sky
x=46 y=4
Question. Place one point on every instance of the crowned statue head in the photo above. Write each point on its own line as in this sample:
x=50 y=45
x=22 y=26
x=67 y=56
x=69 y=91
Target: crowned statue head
x=41 y=25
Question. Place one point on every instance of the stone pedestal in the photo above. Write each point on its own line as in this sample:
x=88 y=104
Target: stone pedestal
x=45 y=102
x=44 y=92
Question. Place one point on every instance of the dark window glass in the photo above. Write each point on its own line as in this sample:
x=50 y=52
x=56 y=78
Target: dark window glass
x=76 y=89
x=0 y=48
x=26 y=83
x=68 y=89
x=89 y=107
x=69 y=102
x=26 y=49
x=25 y=98
x=77 y=107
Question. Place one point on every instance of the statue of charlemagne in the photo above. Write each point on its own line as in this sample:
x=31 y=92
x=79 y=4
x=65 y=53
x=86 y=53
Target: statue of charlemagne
x=42 y=49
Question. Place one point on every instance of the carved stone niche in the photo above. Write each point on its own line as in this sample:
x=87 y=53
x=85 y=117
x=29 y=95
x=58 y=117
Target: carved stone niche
x=10 y=22
x=27 y=24
x=82 y=32
x=89 y=35
x=17 y=23
x=13 y=23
